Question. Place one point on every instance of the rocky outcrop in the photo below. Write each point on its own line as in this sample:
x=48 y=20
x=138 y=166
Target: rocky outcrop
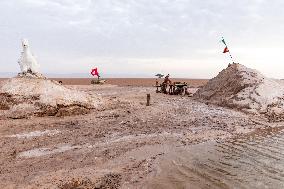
x=27 y=95
x=247 y=90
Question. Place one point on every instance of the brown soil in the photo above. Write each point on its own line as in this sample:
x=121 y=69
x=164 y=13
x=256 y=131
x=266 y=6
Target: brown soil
x=115 y=146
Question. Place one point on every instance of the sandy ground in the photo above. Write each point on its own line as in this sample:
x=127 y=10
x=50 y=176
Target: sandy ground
x=115 y=146
x=145 y=82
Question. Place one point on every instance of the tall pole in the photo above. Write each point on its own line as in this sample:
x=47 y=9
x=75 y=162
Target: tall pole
x=231 y=57
x=223 y=40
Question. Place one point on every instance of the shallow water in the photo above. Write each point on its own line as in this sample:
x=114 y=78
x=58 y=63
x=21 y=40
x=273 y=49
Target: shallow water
x=252 y=161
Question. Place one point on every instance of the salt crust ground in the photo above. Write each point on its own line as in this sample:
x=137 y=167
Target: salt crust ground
x=116 y=145
x=247 y=90
x=22 y=97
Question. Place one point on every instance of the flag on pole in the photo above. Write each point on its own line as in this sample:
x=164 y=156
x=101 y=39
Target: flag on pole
x=226 y=50
x=223 y=40
x=95 y=72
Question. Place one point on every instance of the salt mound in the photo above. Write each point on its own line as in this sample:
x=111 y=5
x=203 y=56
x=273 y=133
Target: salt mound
x=247 y=90
x=26 y=96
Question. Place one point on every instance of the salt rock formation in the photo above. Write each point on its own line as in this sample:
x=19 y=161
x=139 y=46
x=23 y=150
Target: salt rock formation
x=22 y=97
x=31 y=94
x=247 y=90
x=27 y=60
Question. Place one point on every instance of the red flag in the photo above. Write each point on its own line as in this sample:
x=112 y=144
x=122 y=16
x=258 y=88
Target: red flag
x=226 y=50
x=95 y=72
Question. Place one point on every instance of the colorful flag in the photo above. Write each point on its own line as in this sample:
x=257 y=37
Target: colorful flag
x=226 y=50
x=95 y=72
x=223 y=40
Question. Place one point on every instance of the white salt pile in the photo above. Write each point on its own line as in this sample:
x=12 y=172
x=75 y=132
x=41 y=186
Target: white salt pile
x=31 y=94
x=24 y=96
x=247 y=90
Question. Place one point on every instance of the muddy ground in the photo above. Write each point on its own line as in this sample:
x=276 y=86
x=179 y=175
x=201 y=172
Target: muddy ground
x=115 y=146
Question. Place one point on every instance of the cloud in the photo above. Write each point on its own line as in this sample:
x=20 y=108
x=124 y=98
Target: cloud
x=128 y=34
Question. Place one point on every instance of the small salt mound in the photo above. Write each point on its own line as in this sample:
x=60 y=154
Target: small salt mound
x=22 y=97
x=247 y=90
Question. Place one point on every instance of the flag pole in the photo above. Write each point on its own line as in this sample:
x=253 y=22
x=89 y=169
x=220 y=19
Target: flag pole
x=231 y=57
x=223 y=40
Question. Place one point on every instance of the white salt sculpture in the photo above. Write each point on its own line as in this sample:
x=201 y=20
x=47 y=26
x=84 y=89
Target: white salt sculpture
x=27 y=61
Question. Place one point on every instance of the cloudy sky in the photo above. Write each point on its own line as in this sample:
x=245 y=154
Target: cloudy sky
x=139 y=38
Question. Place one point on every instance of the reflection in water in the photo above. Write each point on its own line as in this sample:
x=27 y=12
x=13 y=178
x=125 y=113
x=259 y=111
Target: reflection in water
x=254 y=161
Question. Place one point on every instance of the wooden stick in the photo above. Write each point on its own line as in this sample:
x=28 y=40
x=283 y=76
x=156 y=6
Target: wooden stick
x=148 y=100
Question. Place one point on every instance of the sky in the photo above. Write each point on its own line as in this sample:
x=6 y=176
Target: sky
x=139 y=38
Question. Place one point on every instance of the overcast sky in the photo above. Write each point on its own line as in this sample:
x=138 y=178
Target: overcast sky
x=139 y=38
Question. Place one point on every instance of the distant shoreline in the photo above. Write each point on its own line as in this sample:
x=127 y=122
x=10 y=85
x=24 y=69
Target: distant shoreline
x=143 y=82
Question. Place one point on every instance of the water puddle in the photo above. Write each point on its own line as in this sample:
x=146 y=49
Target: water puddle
x=252 y=161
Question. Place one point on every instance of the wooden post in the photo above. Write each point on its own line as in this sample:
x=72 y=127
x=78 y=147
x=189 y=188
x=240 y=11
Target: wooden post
x=148 y=100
